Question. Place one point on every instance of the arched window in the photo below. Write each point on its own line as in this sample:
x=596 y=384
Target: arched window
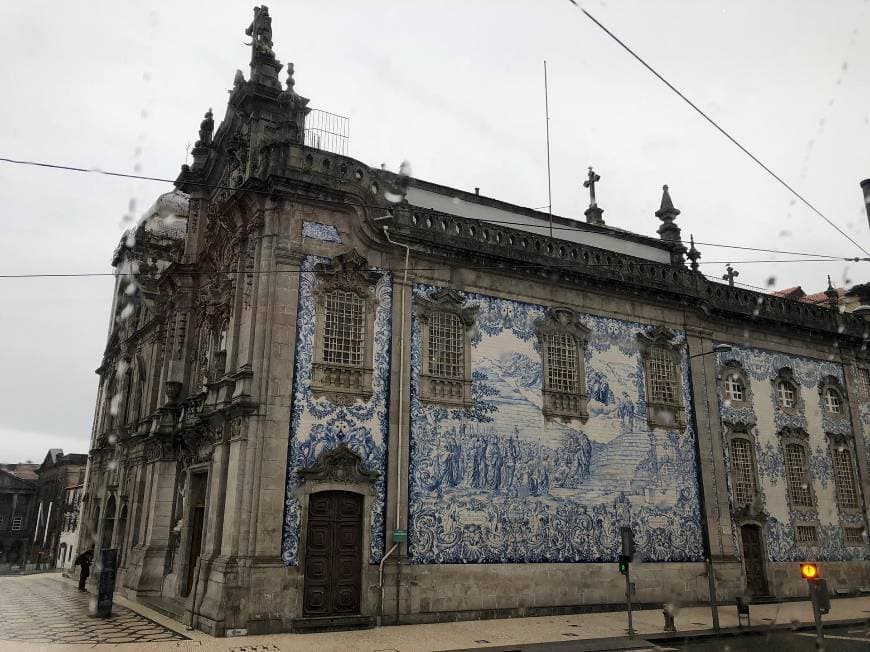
x=735 y=385
x=344 y=329
x=787 y=392
x=743 y=470
x=797 y=475
x=844 y=474
x=562 y=340
x=833 y=402
x=446 y=326
x=661 y=359
x=734 y=389
x=832 y=397
x=108 y=524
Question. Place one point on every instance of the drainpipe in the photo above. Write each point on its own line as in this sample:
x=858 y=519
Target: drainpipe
x=381 y=581
x=401 y=405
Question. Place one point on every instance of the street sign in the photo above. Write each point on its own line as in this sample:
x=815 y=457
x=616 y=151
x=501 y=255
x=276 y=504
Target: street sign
x=400 y=536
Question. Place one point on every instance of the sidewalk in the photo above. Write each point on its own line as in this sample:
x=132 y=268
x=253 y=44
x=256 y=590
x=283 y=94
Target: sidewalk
x=476 y=634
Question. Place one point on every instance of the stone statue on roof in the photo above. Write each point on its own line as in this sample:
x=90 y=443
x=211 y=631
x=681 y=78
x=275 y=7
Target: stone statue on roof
x=260 y=31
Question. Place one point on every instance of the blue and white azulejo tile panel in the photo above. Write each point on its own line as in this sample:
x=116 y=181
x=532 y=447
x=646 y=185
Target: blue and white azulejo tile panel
x=317 y=426
x=498 y=483
x=320 y=231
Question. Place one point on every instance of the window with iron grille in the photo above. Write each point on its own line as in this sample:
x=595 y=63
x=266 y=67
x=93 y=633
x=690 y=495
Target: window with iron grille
x=446 y=345
x=853 y=536
x=796 y=476
x=662 y=376
x=742 y=471
x=562 y=372
x=833 y=404
x=844 y=478
x=343 y=328
x=734 y=390
x=16 y=523
x=864 y=382
x=787 y=398
x=807 y=535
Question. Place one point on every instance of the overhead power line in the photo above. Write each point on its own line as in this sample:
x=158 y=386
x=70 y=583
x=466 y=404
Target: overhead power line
x=803 y=199
x=290 y=195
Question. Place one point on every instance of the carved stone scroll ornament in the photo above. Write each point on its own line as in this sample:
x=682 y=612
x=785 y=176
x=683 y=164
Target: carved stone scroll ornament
x=341 y=465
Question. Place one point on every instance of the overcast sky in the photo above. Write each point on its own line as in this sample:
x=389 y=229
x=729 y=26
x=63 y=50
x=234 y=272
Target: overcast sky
x=456 y=88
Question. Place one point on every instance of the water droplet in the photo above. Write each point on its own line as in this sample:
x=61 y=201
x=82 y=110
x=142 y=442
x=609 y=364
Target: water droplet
x=169 y=219
x=114 y=405
x=130 y=240
x=759 y=300
x=137 y=152
x=755 y=312
x=127 y=312
x=393 y=197
x=771 y=281
x=146 y=77
x=841 y=328
x=131 y=289
x=405 y=168
x=113 y=439
x=122 y=367
x=785 y=233
x=144 y=113
x=804 y=485
x=112 y=465
x=457 y=200
x=137 y=168
x=131 y=205
x=727 y=402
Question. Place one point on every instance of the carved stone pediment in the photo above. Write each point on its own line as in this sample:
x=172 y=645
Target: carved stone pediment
x=342 y=465
x=752 y=513
x=448 y=300
x=657 y=335
x=562 y=320
x=348 y=271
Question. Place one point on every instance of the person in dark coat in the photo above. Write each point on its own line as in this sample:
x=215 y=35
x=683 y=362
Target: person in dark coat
x=84 y=560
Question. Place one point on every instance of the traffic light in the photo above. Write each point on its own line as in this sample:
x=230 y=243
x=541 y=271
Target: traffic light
x=809 y=571
x=624 y=561
x=627 y=537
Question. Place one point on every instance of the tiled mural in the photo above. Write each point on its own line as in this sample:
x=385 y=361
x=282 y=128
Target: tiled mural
x=498 y=483
x=766 y=420
x=318 y=425
x=320 y=231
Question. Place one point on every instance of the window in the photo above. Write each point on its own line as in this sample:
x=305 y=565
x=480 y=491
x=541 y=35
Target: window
x=742 y=471
x=2 y=521
x=662 y=379
x=864 y=382
x=786 y=394
x=562 y=340
x=446 y=345
x=844 y=477
x=16 y=523
x=734 y=390
x=833 y=404
x=853 y=536
x=446 y=329
x=807 y=535
x=796 y=475
x=343 y=328
x=345 y=308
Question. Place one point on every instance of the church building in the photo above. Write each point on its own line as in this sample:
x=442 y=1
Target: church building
x=335 y=396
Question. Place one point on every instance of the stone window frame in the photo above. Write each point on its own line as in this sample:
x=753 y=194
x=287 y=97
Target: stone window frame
x=806 y=524
x=860 y=530
x=835 y=442
x=786 y=375
x=662 y=338
x=832 y=385
x=557 y=404
x=862 y=376
x=339 y=383
x=731 y=368
x=451 y=392
x=793 y=436
x=743 y=432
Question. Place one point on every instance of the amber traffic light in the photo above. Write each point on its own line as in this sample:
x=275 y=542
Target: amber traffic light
x=809 y=571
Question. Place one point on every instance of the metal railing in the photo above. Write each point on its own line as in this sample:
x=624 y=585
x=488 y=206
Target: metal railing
x=327 y=131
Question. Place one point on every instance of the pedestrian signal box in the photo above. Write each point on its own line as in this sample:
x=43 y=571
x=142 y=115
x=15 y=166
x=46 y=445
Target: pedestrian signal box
x=624 y=561
x=809 y=571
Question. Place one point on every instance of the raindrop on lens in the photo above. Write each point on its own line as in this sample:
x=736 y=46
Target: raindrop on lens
x=392 y=197
x=114 y=405
x=112 y=465
x=113 y=439
x=127 y=312
x=130 y=290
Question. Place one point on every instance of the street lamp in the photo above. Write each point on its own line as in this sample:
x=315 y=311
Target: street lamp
x=717 y=348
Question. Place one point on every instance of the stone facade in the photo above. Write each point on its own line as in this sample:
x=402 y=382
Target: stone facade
x=276 y=393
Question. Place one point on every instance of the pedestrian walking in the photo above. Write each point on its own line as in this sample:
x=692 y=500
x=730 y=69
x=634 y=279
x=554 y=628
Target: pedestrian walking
x=84 y=560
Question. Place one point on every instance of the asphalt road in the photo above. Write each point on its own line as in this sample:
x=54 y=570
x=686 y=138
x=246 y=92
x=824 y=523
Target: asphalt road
x=837 y=639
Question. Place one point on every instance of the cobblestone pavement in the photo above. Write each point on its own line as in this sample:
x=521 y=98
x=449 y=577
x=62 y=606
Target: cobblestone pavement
x=49 y=610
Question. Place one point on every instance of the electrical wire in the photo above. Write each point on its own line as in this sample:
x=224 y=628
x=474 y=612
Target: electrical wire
x=718 y=128
x=289 y=195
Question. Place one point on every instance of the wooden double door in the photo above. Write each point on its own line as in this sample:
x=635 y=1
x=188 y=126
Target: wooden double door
x=333 y=554
x=753 y=560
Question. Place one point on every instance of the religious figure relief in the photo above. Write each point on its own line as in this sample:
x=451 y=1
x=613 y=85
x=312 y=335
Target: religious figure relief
x=261 y=31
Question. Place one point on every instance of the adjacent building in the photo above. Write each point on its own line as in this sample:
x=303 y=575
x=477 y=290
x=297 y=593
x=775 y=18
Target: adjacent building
x=17 y=514
x=333 y=395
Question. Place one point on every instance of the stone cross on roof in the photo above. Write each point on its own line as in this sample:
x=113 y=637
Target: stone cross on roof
x=590 y=183
x=730 y=274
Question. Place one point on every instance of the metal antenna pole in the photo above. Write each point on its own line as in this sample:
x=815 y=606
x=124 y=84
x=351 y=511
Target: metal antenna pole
x=547 y=115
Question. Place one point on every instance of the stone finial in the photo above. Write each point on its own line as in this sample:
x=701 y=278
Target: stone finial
x=730 y=274
x=669 y=231
x=832 y=294
x=693 y=254
x=593 y=213
x=290 y=81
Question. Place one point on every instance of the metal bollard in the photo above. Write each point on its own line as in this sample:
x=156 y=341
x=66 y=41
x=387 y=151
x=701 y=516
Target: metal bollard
x=742 y=612
x=669 y=620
